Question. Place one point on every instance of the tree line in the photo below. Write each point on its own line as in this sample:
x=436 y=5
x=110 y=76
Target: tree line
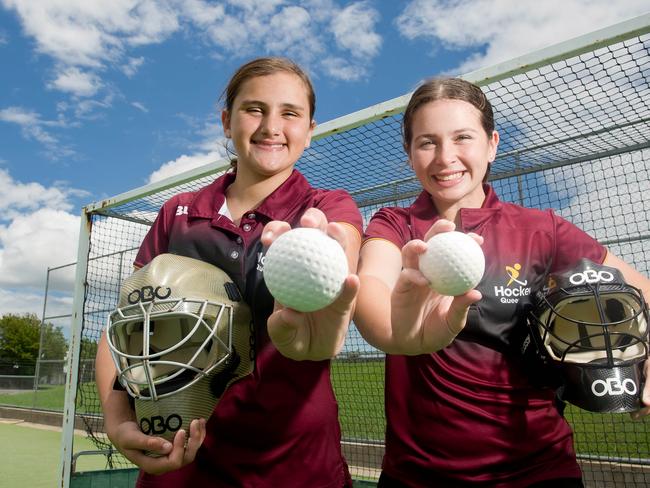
x=20 y=340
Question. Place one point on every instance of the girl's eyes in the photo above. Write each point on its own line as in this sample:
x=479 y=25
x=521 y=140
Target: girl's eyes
x=259 y=110
x=458 y=138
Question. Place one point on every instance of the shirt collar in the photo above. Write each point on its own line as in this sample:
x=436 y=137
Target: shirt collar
x=280 y=203
x=424 y=213
x=209 y=199
x=285 y=198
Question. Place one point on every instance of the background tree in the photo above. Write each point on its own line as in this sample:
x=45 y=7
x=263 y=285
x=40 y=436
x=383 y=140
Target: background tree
x=20 y=338
x=55 y=345
x=88 y=349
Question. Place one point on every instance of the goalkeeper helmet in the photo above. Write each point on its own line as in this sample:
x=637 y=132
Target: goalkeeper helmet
x=593 y=326
x=180 y=335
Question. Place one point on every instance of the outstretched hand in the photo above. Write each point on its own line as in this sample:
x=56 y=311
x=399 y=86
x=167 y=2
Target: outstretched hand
x=163 y=455
x=424 y=321
x=315 y=335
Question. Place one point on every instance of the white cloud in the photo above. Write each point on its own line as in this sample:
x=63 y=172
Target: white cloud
x=289 y=25
x=91 y=108
x=228 y=35
x=182 y=164
x=320 y=10
x=92 y=35
x=31 y=301
x=140 y=107
x=353 y=29
x=34 y=128
x=79 y=33
x=77 y=82
x=32 y=242
x=202 y=13
x=16 y=197
x=19 y=116
x=512 y=29
x=211 y=147
x=87 y=39
x=132 y=65
x=342 y=69
x=255 y=6
x=37 y=232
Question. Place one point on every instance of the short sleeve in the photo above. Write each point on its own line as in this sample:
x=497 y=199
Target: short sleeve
x=573 y=244
x=338 y=206
x=390 y=223
x=157 y=239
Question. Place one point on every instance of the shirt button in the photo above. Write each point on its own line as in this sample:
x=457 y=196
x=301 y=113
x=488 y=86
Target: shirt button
x=239 y=240
x=234 y=254
x=246 y=227
x=251 y=215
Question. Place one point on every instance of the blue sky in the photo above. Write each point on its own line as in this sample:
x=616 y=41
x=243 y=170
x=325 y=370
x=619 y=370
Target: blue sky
x=99 y=97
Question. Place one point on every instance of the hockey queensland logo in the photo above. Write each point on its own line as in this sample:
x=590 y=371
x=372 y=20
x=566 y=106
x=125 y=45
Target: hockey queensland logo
x=515 y=287
x=261 y=258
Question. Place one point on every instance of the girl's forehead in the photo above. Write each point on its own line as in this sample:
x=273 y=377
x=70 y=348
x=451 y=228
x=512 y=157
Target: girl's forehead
x=448 y=110
x=289 y=84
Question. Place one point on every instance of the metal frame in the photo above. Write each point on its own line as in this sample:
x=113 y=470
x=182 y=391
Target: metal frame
x=43 y=319
x=564 y=50
x=69 y=408
x=589 y=42
x=579 y=45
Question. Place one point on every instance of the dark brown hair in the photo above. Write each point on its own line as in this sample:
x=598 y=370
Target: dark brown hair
x=265 y=67
x=446 y=89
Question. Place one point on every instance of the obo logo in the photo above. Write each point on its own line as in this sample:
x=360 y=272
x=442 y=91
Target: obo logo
x=613 y=387
x=591 y=276
x=148 y=294
x=157 y=425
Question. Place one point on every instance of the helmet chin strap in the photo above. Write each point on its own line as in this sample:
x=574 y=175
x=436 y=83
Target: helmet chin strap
x=604 y=321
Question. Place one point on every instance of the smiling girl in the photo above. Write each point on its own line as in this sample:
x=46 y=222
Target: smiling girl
x=461 y=407
x=278 y=426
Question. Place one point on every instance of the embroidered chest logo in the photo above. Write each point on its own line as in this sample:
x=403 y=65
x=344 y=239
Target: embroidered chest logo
x=515 y=287
x=260 y=261
x=513 y=272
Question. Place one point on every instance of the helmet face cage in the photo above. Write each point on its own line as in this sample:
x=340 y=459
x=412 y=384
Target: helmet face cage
x=180 y=336
x=163 y=346
x=594 y=326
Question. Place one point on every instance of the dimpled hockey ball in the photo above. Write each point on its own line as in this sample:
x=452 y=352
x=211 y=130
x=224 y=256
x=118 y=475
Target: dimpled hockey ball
x=453 y=263
x=304 y=269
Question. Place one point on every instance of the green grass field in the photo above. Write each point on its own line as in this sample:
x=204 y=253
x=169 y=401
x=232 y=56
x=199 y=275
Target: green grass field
x=51 y=398
x=359 y=388
x=612 y=435
x=360 y=393
x=31 y=456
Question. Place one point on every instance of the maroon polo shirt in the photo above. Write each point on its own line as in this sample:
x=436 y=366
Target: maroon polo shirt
x=472 y=413
x=279 y=425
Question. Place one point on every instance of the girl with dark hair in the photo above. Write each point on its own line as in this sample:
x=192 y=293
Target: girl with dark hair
x=279 y=425
x=461 y=407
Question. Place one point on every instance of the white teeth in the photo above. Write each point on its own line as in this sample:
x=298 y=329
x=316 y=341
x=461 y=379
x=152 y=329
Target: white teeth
x=270 y=145
x=450 y=177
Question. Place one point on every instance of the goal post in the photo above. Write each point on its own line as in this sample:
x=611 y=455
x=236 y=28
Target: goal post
x=574 y=120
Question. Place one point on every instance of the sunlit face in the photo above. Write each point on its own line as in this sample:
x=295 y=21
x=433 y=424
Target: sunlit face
x=269 y=123
x=450 y=152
